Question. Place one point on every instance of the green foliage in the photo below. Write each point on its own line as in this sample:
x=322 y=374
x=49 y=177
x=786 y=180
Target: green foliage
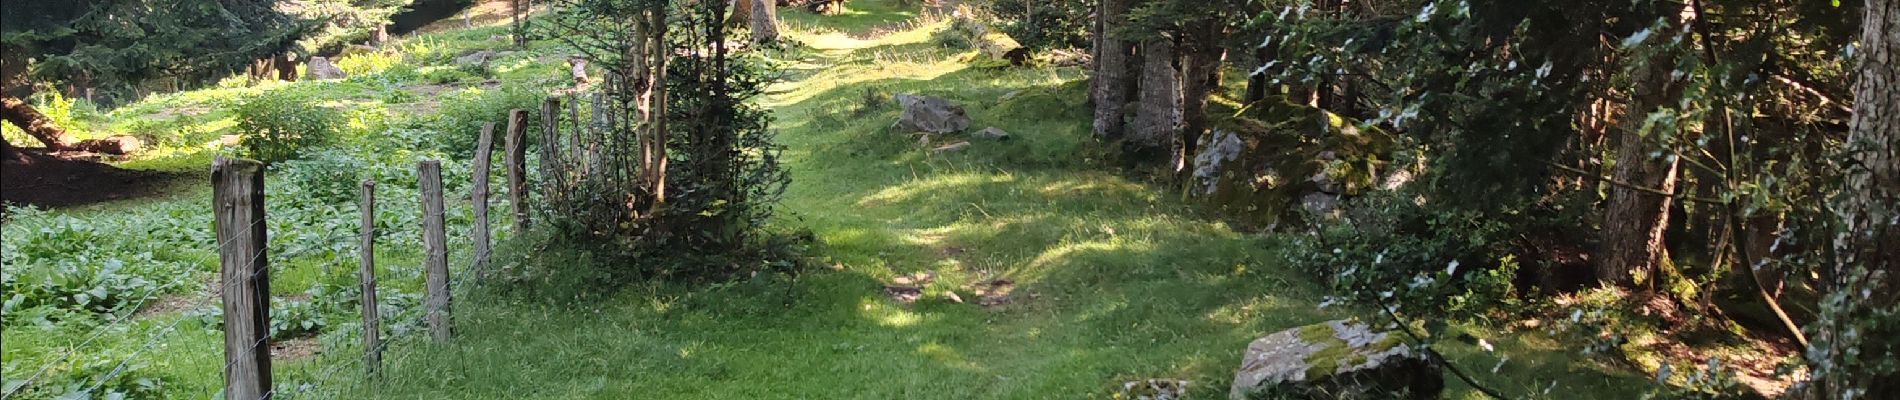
x=73 y=115
x=280 y=125
x=91 y=267
x=1042 y=25
x=1390 y=250
x=121 y=45
x=463 y=114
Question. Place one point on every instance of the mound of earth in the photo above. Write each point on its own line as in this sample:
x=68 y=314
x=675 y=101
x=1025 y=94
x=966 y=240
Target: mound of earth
x=62 y=179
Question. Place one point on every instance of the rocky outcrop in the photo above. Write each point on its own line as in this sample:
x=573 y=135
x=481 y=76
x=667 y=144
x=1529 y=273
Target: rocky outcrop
x=321 y=68
x=1335 y=360
x=931 y=114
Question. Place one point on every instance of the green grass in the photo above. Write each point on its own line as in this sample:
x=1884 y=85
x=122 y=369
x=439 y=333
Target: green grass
x=1116 y=280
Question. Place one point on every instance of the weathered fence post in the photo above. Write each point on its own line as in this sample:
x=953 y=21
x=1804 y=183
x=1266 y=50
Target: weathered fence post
x=435 y=246
x=551 y=149
x=372 y=322
x=517 y=166
x=598 y=133
x=484 y=151
x=577 y=131
x=238 y=192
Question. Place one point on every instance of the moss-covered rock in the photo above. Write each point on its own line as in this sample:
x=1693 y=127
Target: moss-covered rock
x=1262 y=162
x=1335 y=360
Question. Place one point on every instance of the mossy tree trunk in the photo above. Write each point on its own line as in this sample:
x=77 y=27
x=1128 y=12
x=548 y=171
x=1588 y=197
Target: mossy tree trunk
x=1868 y=250
x=764 y=21
x=1113 y=61
x=1637 y=214
x=1158 y=120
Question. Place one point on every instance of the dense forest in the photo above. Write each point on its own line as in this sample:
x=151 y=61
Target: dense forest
x=1663 y=199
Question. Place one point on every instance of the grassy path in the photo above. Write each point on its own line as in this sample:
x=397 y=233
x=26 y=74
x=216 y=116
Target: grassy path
x=1113 y=280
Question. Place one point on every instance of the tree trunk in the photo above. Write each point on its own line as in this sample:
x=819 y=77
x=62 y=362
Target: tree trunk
x=1158 y=120
x=1636 y=217
x=23 y=115
x=515 y=8
x=1113 y=64
x=1868 y=269
x=1874 y=181
x=764 y=22
x=1200 y=69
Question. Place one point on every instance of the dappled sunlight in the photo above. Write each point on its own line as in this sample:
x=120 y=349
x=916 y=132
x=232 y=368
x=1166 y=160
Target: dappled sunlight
x=931 y=186
x=949 y=356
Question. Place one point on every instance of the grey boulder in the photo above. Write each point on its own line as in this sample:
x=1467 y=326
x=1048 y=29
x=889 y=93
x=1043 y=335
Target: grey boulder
x=931 y=114
x=1335 y=360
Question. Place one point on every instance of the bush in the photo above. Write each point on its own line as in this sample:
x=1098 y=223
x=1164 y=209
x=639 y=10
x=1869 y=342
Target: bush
x=1388 y=249
x=279 y=125
x=461 y=117
x=368 y=63
x=1044 y=25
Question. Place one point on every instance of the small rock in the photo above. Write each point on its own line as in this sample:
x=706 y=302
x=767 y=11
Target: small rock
x=1153 y=389
x=322 y=68
x=993 y=133
x=1335 y=360
x=952 y=148
x=931 y=114
x=954 y=298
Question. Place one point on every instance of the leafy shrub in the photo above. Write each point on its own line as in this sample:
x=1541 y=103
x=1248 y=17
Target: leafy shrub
x=1044 y=24
x=461 y=117
x=952 y=38
x=296 y=318
x=368 y=63
x=279 y=125
x=1390 y=250
x=182 y=131
x=442 y=75
x=82 y=380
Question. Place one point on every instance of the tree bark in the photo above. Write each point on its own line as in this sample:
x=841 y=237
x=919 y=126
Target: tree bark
x=1873 y=180
x=1635 y=220
x=1200 y=68
x=1158 y=120
x=1113 y=63
x=1868 y=251
x=764 y=22
x=35 y=124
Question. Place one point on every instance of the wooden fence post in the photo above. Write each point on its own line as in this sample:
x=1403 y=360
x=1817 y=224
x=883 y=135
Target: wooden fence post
x=484 y=151
x=517 y=166
x=576 y=129
x=372 y=322
x=435 y=245
x=551 y=179
x=238 y=192
x=597 y=133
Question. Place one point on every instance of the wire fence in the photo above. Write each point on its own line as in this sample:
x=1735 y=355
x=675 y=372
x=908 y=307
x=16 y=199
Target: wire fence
x=316 y=375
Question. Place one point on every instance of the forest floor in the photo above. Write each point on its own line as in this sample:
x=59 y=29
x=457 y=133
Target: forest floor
x=1043 y=274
